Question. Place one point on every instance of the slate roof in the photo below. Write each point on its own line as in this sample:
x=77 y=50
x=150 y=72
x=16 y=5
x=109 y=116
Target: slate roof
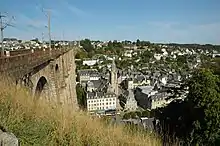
x=97 y=84
x=159 y=96
x=146 y=89
x=140 y=78
x=97 y=95
x=89 y=72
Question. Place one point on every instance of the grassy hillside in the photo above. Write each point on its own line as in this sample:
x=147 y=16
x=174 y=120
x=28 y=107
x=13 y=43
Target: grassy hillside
x=43 y=124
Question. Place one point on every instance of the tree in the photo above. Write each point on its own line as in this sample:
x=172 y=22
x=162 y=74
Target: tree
x=195 y=120
x=138 y=43
x=138 y=113
x=81 y=96
x=204 y=96
x=87 y=46
x=81 y=54
x=110 y=44
x=146 y=56
x=35 y=40
x=122 y=101
x=116 y=44
x=145 y=43
x=214 y=65
x=145 y=113
x=130 y=115
x=158 y=50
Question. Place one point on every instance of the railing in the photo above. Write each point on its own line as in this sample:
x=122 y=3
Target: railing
x=27 y=59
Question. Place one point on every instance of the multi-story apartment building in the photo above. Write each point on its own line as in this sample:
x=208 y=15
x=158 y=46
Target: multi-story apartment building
x=100 y=101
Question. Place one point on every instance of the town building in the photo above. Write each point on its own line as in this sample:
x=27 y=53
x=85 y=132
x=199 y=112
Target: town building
x=100 y=101
x=90 y=62
x=88 y=75
x=158 y=100
x=113 y=79
x=148 y=97
x=131 y=103
x=141 y=95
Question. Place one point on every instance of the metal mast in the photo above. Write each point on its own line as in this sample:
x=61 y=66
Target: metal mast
x=2 y=27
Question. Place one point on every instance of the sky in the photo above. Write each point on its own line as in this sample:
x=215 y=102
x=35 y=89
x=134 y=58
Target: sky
x=166 y=21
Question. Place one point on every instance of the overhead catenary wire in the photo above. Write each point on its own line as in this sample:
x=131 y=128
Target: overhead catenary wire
x=4 y=25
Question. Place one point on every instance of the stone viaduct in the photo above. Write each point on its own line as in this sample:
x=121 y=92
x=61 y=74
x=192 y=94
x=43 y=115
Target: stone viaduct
x=48 y=74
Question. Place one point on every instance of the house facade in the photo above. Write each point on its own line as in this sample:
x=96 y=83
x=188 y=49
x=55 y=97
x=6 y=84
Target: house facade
x=100 y=101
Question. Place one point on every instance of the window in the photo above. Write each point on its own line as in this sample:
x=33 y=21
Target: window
x=110 y=103
x=110 y=99
x=106 y=103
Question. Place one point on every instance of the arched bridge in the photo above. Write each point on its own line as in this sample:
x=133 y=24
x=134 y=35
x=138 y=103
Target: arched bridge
x=47 y=73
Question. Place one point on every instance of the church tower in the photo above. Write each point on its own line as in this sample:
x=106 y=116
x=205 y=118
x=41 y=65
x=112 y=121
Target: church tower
x=113 y=78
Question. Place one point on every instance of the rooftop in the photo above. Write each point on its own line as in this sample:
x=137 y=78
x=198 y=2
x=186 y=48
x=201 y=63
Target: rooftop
x=159 y=96
x=97 y=84
x=90 y=72
x=146 y=89
x=97 y=95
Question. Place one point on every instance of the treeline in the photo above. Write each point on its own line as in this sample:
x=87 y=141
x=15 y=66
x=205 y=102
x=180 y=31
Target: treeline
x=196 y=120
x=196 y=46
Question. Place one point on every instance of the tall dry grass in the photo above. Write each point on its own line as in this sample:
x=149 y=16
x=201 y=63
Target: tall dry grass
x=36 y=122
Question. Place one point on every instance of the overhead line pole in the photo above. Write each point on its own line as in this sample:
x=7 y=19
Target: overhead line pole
x=49 y=32
x=47 y=14
x=2 y=37
x=2 y=27
x=42 y=39
x=63 y=40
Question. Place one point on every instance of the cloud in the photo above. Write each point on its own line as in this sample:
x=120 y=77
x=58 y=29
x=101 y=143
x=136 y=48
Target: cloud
x=27 y=27
x=25 y=21
x=75 y=10
x=126 y=27
x=185 y=33
x=42 y=9
x=37 y=24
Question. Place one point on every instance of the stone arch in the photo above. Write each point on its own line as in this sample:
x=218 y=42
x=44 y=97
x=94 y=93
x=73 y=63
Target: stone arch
x=42 y=87
x=56 y=67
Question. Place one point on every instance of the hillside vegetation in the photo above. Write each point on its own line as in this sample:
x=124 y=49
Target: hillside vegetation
x=36 y=122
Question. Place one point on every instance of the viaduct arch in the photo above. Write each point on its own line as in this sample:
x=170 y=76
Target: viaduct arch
x=46 y=74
